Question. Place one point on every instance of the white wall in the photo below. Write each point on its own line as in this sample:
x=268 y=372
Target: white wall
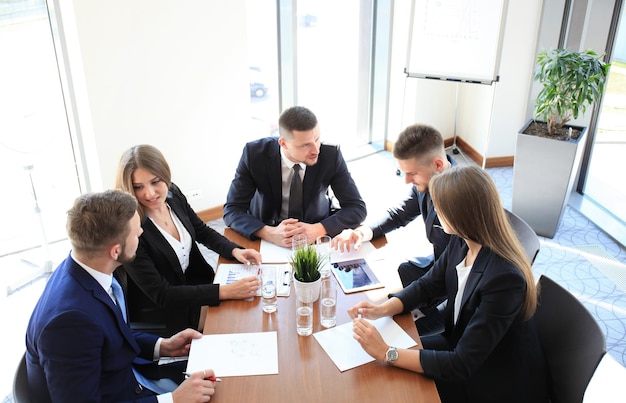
x=170 y=73
x=433 y=102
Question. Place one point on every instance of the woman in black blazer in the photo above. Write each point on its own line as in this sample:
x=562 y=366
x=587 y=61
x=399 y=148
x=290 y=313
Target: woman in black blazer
x=489 y=351
x=169 y=280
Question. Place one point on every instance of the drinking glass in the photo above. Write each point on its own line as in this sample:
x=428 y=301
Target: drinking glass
x=268 y=289
x=299 y=241
x=328 y=304
x=323 y=249
x=304 y=316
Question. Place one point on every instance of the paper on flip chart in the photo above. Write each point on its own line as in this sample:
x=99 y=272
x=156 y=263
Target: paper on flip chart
x=347 y=353
x=236 y=354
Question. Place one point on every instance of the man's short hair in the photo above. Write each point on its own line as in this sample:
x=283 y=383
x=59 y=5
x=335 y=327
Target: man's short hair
x=419 y=141
x=296 y=118
x=98 y=220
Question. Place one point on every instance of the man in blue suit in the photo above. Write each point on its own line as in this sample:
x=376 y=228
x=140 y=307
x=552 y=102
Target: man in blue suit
x=78 y=346
x=259 y=202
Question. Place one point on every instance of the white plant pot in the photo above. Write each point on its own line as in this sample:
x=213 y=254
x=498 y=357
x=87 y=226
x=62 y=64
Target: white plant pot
x=308 y=292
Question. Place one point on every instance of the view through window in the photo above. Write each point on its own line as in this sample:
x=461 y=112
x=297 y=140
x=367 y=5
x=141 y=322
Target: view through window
x=36 y=157
x=604 y=183
x=263 y=68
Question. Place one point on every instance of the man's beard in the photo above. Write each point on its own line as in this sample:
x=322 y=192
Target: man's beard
x=124 y=257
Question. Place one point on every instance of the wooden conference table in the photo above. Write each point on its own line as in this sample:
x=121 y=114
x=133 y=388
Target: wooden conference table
x=305 y=372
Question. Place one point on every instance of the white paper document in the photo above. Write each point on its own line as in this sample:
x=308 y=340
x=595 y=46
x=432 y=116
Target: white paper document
x=272 y=253
x=236 y=354
x=230 y=272
x=347 y=353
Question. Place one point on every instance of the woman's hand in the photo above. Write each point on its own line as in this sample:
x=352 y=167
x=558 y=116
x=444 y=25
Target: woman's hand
x=247 y=256
x=366 y=310
x=240 y=289
x=369 y=338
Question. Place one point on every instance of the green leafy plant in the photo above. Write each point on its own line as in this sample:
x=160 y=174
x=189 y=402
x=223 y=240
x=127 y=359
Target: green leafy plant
x=306 y=263
x=571 y=81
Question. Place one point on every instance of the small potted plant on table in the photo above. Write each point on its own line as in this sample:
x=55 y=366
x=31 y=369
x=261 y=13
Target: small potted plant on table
x=306 y=262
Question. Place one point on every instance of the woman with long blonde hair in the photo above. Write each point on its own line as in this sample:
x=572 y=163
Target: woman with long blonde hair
x=170 y=281
x=490 y=350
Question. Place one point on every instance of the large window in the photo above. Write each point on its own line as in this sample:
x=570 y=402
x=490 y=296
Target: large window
x=36 y=157
x=605 y=183
x=330 y=56
x=263 y=67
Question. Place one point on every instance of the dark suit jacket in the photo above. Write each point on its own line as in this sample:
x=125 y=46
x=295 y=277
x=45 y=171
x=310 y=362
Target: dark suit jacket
x=415 y=204
x=255 y=195
x=495 y=355
x=158 y=292
x=78 y=347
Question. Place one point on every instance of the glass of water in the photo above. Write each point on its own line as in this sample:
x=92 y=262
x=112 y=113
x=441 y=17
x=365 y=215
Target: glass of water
x=268 y=289
x=328 y=304
x=322 y=244
x=304 y=316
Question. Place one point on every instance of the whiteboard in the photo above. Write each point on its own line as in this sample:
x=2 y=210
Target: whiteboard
x=456 y=40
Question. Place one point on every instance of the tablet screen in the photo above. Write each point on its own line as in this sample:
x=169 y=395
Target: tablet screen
x=355 y=275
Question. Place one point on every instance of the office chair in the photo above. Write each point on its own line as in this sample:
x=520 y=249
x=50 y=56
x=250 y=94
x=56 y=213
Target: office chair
x=525 y=234
x=572 y=341
x=21 y=393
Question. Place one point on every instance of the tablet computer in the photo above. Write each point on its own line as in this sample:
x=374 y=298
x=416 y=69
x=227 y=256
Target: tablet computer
x=355 y=275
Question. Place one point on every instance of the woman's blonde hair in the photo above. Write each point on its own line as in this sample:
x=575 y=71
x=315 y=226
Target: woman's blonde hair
x=467 y=199
x=141 y=156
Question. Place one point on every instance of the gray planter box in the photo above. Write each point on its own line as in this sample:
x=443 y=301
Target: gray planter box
x=543 y=178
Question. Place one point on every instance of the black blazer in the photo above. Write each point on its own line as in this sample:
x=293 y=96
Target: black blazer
x=255 y=195
x=495 y=354
x=415 y=204
x=158 y=292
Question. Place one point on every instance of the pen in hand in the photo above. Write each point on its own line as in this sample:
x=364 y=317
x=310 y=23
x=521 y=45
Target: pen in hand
x=206 y=378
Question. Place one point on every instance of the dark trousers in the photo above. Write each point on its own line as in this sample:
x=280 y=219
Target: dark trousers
x=449 y=391
x=432 y=322
x=409 y=272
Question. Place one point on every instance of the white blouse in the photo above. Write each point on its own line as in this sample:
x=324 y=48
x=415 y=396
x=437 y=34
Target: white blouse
x=182 y=248
x=462 y=273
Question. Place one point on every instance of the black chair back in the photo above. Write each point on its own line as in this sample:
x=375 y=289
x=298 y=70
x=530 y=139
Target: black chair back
x=20 y=383
x=525 y=234
x=572 y=340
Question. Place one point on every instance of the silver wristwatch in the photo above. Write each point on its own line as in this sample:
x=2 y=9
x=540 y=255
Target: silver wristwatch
x=391 y=355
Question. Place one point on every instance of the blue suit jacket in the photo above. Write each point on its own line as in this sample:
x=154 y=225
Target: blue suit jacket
x=255 y=195
x=78 y=347
x=495 y=354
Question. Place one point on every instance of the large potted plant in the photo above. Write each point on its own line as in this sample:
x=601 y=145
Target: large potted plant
x=548 y=152
x=306 y=262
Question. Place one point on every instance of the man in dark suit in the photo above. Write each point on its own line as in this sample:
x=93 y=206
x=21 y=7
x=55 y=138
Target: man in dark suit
x=79 y=347
x=420 y=153
x=260 y=200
